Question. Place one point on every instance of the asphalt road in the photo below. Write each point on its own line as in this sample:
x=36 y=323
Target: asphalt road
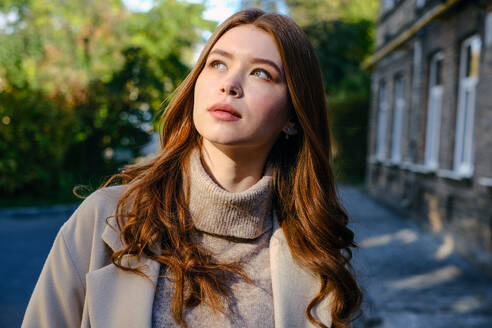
x=410 y=278
x=25 y=240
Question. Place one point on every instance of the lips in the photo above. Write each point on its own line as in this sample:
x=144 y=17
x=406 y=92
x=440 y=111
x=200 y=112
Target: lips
x=225 y=109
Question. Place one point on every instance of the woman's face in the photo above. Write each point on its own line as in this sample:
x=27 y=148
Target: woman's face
x=243 y=71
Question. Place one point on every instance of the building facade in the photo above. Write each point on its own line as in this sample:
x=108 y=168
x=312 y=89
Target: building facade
x=430 y=134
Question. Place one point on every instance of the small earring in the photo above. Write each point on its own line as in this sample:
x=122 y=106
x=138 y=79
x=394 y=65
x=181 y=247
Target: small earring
x=287 y=130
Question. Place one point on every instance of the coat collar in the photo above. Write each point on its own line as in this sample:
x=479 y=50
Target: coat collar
x=292 y=287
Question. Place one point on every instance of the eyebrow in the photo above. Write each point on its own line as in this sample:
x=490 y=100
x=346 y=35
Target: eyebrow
x=254 y=60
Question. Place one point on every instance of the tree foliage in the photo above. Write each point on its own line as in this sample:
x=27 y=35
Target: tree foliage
x=308 y=12
x=81 y=82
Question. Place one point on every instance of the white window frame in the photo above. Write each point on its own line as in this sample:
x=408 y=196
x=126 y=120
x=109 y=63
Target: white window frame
x=434 y=108
x=398 y=112
x=382 y=120
x=463 y=151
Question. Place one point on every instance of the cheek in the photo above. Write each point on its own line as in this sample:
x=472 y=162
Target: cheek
x=201 y=98
x=198 y=91
x=198 y=102
x=272 y=106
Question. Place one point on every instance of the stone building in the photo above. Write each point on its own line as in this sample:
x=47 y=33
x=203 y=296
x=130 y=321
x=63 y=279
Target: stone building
x=430 y=134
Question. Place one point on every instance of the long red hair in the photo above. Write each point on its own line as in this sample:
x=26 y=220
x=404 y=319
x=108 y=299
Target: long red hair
x=153 y=210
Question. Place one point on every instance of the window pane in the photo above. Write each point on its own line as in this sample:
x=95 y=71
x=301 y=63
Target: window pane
x=467 y=60
x=397 y=119
x=465 y=119
x=469 y=71
x=438 y=70
x=474 y=58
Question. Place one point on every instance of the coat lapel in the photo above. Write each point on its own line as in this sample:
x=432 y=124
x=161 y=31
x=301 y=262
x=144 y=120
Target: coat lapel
x=293 y=287
x=117 y=298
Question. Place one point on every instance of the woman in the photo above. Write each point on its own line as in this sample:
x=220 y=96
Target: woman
x=235 y=223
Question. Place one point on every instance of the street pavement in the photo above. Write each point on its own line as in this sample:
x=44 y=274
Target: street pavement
x=410 y=278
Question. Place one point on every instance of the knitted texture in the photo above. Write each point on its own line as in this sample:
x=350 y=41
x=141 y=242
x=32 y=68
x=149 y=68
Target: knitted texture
x=234 y=227
x=215 y=210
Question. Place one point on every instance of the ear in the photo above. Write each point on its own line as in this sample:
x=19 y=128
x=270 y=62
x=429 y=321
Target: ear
x=289 y=128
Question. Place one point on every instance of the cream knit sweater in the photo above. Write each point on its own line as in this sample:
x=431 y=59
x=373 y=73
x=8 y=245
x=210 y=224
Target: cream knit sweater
x=234 y=226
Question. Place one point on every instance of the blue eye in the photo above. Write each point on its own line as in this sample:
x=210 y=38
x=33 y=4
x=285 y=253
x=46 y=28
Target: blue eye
x=268 y=76
x=215 y=63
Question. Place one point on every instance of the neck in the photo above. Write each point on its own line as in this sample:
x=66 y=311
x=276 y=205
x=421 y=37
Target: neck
x=233 y=169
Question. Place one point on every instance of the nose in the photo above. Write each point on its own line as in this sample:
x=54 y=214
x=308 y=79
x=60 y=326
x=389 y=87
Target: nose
x=232 y=88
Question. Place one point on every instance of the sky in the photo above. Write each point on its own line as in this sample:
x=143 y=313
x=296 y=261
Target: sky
x=217 y=10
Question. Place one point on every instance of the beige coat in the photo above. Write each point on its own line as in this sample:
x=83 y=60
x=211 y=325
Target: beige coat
x=80 y=287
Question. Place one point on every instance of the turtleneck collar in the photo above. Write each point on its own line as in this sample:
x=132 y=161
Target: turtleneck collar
x=245 y=214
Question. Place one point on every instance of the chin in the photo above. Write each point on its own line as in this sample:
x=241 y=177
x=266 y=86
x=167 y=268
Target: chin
x=224 y=139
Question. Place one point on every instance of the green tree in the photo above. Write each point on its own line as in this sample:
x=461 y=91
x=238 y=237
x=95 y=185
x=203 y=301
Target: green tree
x=309 y=12
x=81 y=82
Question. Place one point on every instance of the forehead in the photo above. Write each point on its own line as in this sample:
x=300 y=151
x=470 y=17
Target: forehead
x=249 y=41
